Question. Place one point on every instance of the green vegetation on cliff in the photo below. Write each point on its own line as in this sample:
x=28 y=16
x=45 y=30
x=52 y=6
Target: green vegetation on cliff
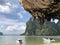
x=48 y=28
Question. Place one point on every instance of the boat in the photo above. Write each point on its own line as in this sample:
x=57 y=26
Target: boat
x=48 y=40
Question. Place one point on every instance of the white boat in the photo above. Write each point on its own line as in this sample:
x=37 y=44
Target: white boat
x=48 y=40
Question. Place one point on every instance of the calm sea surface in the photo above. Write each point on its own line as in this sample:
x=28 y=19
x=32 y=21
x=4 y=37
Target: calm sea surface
x=27 y=40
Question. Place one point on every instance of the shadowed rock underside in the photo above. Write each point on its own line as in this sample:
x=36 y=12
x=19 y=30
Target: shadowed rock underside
x=42 y=9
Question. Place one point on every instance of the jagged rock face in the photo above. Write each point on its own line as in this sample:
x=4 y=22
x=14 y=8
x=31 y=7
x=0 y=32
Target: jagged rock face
x=43 y=9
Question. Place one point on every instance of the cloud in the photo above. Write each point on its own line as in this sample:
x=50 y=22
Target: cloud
x=22 y=8
x=8 y=6
x=11 y=28
x=10 y=25
x=4 y=20
x=4 y=9
x=14 y=6
x=20 y=15
x=17 y=27
x=24 y=12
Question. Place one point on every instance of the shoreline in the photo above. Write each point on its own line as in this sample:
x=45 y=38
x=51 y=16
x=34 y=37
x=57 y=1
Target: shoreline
x=58 y=43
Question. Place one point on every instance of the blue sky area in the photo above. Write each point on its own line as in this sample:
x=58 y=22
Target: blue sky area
x=13 y=17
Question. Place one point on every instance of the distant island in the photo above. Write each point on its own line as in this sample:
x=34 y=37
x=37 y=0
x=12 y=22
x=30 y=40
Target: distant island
x=1 y=33
x=47 y=29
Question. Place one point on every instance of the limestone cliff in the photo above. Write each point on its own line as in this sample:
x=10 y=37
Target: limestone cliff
x=43 y=9
x=48 y=28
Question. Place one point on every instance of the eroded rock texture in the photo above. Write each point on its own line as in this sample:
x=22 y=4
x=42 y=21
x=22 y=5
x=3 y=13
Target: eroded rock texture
x=43 y=9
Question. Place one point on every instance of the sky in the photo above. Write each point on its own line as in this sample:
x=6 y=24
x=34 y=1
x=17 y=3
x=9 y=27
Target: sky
x=13 y=17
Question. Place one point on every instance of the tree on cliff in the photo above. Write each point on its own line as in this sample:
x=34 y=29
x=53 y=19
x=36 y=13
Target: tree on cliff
x=49 y=29
x=31 y=27
x=34 y=28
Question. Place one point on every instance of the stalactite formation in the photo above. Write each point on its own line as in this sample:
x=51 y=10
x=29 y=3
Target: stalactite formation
x=43 y=9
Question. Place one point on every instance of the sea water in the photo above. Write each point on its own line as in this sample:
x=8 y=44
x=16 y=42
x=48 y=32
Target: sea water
x=26 y=40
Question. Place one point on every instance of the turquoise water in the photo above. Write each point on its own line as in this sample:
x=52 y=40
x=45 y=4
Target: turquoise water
x=27 y=40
